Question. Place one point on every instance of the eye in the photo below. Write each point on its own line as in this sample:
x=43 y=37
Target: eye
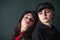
x=26 y=17
x=48 y=11
x=31 y=19
x=40 y=13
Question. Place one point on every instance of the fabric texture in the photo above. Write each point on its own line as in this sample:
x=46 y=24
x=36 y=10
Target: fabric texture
x=43 y=32
x=19 y=36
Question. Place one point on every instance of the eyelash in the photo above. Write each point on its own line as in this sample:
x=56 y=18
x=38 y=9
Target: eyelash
x=26 y=17
x=29 y=19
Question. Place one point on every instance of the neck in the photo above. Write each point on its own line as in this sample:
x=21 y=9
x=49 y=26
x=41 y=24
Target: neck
x=48 y=24
x=23 y=28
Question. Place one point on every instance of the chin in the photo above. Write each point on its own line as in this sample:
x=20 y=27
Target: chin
x=45 y=21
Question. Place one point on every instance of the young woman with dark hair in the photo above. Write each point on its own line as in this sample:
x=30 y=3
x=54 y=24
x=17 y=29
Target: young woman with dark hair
x=25 y=26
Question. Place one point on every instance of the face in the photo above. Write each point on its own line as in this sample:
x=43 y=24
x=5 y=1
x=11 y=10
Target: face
x=46 y=15
x=27 y=21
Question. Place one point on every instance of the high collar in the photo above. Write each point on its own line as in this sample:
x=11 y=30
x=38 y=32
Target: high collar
x=40 y=25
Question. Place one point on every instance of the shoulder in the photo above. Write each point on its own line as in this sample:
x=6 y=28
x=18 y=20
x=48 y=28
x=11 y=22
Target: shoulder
x=28 y=37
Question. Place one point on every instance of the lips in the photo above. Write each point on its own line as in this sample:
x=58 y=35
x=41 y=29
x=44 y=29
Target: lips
x=45 y=18
x=28 y=23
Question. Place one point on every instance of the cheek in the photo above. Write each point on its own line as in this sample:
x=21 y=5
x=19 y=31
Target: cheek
x=32 y=23
x=22 y=22
x=40 y=17
x=50 y=16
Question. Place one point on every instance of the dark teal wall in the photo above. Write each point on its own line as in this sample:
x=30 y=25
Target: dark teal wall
x=11 y=11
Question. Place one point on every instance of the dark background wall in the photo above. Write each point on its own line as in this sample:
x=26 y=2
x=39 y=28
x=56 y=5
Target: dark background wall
x=11 y=11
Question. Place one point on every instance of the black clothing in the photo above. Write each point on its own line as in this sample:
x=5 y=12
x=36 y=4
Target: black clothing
x=43 y=32
x=27 y=37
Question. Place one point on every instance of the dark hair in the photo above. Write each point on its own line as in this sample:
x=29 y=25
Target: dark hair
x=17 y=30
x=44 y=5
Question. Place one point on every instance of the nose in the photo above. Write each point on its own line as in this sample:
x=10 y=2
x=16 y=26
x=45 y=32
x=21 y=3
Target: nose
x=44 y=13
x=28 y=19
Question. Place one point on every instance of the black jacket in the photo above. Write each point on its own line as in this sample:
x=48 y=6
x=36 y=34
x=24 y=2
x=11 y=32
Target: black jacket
x=42 y=32
x=28 y=37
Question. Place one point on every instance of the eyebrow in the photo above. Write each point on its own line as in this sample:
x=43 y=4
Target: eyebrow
x=28 y=15
x=32 y=16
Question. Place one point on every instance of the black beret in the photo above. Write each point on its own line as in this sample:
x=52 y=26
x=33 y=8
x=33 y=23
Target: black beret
x=44 y=5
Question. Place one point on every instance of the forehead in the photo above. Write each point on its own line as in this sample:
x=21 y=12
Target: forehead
x=29 y=14
x=47 y=9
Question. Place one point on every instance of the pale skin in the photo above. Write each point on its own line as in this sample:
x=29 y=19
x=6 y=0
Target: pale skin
x=46 y=16
x=26 y=22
